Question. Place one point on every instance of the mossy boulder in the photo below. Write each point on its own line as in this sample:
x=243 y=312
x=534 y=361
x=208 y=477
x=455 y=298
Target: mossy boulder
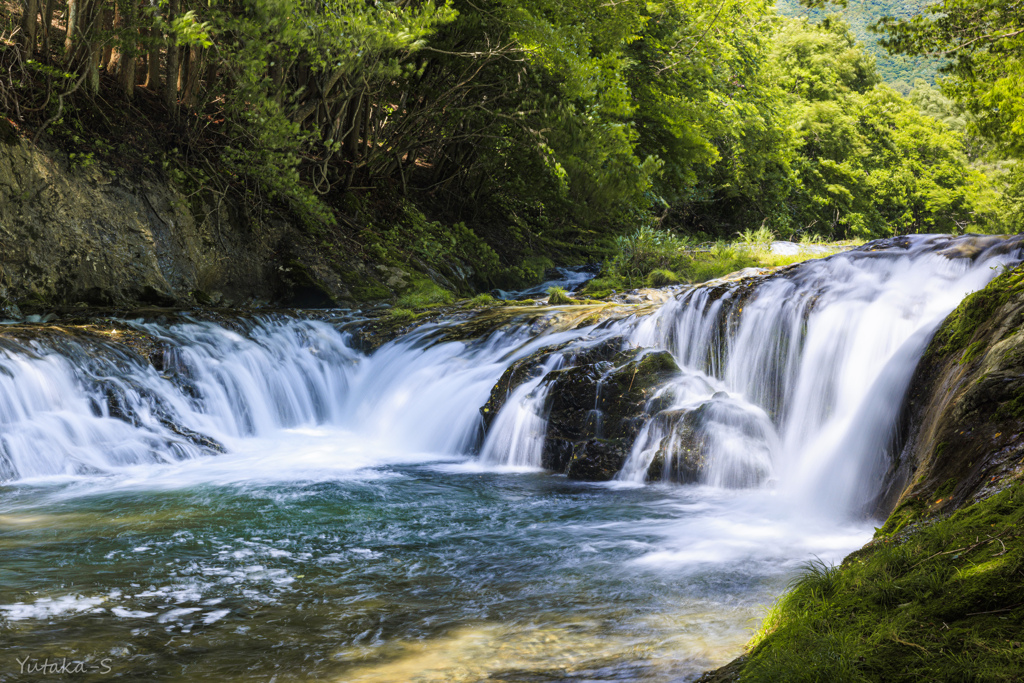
x=965 y=407
x=531 y=366
x=607 y=400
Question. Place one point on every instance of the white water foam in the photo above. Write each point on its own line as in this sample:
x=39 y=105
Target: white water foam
x=798 y=378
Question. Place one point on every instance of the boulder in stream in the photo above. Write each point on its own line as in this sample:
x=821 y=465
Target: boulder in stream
x=596 y=411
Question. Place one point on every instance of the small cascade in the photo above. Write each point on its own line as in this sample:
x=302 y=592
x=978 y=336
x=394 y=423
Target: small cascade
x=793 y=379
x=516 y=439
x=73 y=413
x=266 y=375
x=815 y=362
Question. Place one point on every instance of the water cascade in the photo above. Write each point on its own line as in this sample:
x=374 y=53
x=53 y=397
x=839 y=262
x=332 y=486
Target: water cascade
x=383 y=513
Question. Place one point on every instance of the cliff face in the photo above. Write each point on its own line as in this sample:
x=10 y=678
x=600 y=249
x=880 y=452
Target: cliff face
x=84 y=235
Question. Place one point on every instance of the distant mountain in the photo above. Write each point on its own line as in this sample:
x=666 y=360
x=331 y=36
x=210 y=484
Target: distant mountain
x=899 y=72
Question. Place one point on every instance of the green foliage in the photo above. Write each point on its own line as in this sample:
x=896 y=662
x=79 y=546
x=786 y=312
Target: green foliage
x=656 y=258
x=480 y=300
x=645 y=250
x=899 y=72
x=403 y=314
x=535 y=266
x=760 y=238
x=869 y=163
x=662 y=278
x=81 y=160
x=606 y=285
x=721 y=259
x=940 y=602
x=983 y=39
x=416 y=241
x=549 y=127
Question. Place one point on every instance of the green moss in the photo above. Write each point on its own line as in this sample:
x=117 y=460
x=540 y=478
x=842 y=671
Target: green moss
x=662 y=278
x=558 y=297
x=960 y=327
x=480 y=300
x=949 y=485
x=402 y=314
x=424 y=293
x=535 y=266
x=1010 y=410
x=368 y=290
x=363 y=288
x=908 y=512
x=972 y=352
x=944 y=602
x=606 y=285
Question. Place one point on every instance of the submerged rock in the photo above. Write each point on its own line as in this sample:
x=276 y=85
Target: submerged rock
x=597 y=459
x=722 y=442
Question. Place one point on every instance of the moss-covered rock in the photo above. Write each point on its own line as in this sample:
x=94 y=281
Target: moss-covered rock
x=941 y=601
x=607 y=400
x=963 y=415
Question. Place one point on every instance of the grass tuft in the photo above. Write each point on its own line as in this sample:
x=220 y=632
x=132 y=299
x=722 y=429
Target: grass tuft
x=424 y=293
x=559 y=297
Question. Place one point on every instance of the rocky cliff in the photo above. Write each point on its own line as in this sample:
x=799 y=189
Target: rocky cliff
x=74 y=234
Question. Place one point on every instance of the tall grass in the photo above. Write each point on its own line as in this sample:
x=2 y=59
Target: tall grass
x=649 y=257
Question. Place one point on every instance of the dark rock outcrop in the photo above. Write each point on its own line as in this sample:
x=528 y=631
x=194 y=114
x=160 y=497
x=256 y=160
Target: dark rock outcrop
x=597 y=409
x=96 y=236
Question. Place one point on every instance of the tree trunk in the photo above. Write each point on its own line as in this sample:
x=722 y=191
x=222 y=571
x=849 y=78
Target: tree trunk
x=126 y=65
x=184 y=64
x=153 y=62
x=115 y=53
x=82 y=52
x=72 y=28
x=47 y=27
x=171 y=79
x=29 y=12
x=192 y=86
x=106 y=50
x=354 y=119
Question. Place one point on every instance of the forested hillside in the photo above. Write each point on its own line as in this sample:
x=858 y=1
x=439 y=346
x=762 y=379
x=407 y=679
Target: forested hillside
x=898 y=71
x=501 y=134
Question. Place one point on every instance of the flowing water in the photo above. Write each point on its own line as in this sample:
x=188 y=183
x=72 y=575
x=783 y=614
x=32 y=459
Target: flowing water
x=273 y=504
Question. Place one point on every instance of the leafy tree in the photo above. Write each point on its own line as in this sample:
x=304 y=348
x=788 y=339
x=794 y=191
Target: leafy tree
x=869 y=163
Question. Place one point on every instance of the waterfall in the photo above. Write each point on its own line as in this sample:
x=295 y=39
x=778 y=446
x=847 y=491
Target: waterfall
x=827 y=351
x=793 y=380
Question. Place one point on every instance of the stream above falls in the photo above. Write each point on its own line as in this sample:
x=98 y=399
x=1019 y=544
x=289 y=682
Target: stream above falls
x=256 y=498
